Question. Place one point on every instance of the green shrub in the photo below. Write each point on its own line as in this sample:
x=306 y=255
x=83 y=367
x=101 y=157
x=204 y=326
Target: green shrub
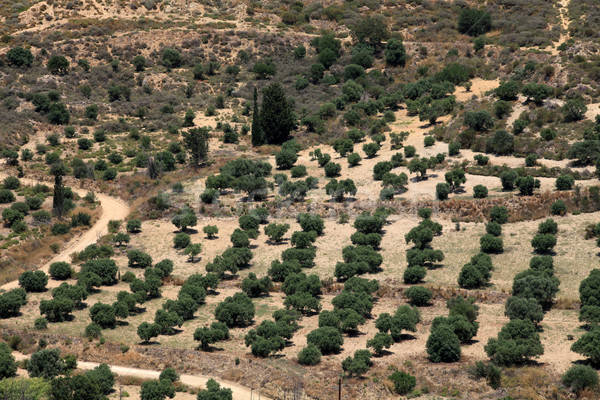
x=491 y=244
x=60 y=270
x=211 y=231
x=474 y=22
x=298 y=171
x=543 y=243
x=481 y=159
x=580 y=377
x=499 y=214
x=6 y=196
x=134 y=226
x=310 y=355
x=418 y=295
x=40 y=324
x=565 y=182
x=531 y=160
x=354 y=159
x=493 y=228
x=332 y=169
x=480 y=192
x=508 y=179
x=414 y=274
x=517 y=342
x=453 y=148
x=403 y=383
x=558 y=208
x=181 y=240
x=442 y=190
x=443 y=345
x=33 y=281
x=370 y=149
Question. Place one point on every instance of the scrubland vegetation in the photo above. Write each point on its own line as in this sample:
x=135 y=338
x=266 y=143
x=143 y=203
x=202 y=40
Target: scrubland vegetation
x=400 y=198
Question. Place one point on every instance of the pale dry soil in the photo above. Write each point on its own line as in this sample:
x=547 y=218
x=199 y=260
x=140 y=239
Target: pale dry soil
x=574 y=258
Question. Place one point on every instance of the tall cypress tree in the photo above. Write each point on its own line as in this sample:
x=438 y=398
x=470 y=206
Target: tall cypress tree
x=58 y=198
x=258 y=138
x=276 y=116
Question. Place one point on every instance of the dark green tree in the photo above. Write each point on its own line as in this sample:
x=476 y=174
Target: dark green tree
x=196 y=143
x=235 y=310
x=258 y=137
x=147 y=331
x=310 y=355
x=58 y=65
x=214 y=391
x=474 y=22
x=18 y=57
x=277 y=119
x=371 y=30
x=58 y=198
x=517 y=342
x=589 y=345
x=359 y=364
x=45 y=363
x=580 y=377
x=8 y=366
x=443 y=345
x=395 y=53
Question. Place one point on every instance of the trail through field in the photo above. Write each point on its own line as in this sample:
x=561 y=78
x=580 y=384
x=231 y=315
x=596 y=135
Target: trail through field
x=563 y=6
x=112 y=209
x=197 y=381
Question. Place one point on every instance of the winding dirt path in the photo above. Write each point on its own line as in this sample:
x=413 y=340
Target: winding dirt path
x=197 y=381
x=112 y=208
x=563 y=6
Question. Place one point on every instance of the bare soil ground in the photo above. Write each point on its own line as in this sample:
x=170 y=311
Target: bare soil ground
x=574 y=258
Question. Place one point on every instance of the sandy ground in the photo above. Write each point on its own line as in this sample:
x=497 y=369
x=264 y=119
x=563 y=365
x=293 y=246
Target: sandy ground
x=564 y=22
x=574 y=259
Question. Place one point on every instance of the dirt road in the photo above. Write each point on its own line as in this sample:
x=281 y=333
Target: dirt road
x=239 y=392
x=112 y=208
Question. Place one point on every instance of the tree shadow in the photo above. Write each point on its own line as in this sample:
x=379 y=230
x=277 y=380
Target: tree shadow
x=545 y=253
x=138 y=310
x=433 y=266
x=355 y=334
x=210 y=349
x=279 y=243
x=148 y=343
x=65 y=318
x=383 y=353
x=122 y=323
x=405 y=336
x=429 y=124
